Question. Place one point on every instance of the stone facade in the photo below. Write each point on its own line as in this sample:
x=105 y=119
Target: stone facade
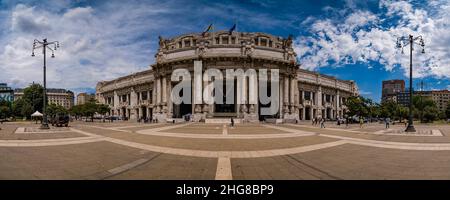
x=83 y=98
x=56 y=96
x=147 y=94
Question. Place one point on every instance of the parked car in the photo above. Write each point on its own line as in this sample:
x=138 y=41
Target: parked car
x=60 y=120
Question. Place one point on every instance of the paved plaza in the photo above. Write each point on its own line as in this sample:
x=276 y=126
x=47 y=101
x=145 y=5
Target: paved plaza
x=129 y=150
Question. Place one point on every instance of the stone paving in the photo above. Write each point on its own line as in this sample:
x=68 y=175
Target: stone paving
x=130 y=150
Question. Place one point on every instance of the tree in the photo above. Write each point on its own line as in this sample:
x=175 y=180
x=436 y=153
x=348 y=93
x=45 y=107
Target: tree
x=26 y=111
x=356 y=106
x=89 y=109
x=34 y=95
x=53 y=110
x=4 y=112
x=102 y=109
x=430 y=113
x=425 y=109
x=76 y=111
x=5 y=109
x=17 y=107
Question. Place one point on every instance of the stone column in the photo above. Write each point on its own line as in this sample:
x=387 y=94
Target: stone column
x=338 y=107
x=154 y=92
x=169 y=100
x=319 y=101
x=164 y=90
x=286 y=91
x=158 y=91
x=292 y=92
x=281 y=89
x=303 y=113
x=293 y=99
x=197 y=91
x=116 y=100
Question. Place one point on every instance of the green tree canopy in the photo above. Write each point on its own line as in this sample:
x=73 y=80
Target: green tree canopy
x=34 y=95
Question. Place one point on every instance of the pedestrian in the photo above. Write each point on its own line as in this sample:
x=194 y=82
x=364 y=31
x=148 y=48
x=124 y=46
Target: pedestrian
x=338 y=122
x=361 y=121
x=322 y=122
x=312 y=120
x=388 y=120
x=232 y=122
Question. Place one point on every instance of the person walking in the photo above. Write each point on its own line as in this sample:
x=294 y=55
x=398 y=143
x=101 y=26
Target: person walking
x=388 y=121
x=232 y=122
x=361 y=121
x=322 y=123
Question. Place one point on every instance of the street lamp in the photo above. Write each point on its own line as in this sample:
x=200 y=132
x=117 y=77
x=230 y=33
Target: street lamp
x=402 y=42
x=44 y=45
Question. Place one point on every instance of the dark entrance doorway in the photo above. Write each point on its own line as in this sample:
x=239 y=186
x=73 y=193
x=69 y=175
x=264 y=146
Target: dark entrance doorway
x=179 y=110
x=144 y=112
x=307 y=113
x=224 y=107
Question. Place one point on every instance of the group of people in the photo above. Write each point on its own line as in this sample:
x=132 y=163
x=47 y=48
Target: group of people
x=318 y=120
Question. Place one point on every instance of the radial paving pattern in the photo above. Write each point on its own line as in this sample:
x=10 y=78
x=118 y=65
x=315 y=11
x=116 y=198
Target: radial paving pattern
x=217 y=151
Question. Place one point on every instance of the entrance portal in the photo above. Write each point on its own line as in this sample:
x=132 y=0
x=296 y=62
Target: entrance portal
x=179 y=110
x=307 y=113
x=226 y=108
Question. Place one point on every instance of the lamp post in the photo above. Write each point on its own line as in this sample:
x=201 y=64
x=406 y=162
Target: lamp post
x=44 y=45
x=402 y=42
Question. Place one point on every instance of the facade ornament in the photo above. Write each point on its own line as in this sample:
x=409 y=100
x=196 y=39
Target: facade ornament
x=162 y=43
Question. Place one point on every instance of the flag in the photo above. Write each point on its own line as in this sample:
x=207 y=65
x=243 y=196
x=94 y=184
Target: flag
x=232 y=29
x=210 y=27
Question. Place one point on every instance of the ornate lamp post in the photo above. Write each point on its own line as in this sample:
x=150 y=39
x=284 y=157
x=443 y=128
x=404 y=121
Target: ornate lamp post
x=44 y=45
x=402 y=42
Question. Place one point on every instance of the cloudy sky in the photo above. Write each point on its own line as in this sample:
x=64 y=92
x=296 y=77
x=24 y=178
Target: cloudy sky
x=102 y=40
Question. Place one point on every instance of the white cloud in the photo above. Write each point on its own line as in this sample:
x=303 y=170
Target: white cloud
x=94 y=45
x=361 y=37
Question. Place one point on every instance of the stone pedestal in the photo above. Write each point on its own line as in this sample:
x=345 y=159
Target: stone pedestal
x=197 y=117
x=161 y=117
x=251 y=117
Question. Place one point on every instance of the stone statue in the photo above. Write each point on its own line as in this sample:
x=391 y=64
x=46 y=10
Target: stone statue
x=162 y=42
x=288 y=42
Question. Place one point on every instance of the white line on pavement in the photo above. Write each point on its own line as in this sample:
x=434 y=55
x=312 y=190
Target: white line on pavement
x=224 y=169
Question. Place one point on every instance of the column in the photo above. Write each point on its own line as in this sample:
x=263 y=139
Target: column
x=253 y=90
x=303 y=113
x=164 y=90
x=338 y=100
x=319 y=101
x=292 y=99
x=133 y=98
x=158 y=91
x=154 y=93
x=197 y=91
x=116 y=100
x=286 y=90
x=281 y=98
x=169 y=100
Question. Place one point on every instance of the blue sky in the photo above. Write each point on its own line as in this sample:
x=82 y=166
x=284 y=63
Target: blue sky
x=102 y=40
